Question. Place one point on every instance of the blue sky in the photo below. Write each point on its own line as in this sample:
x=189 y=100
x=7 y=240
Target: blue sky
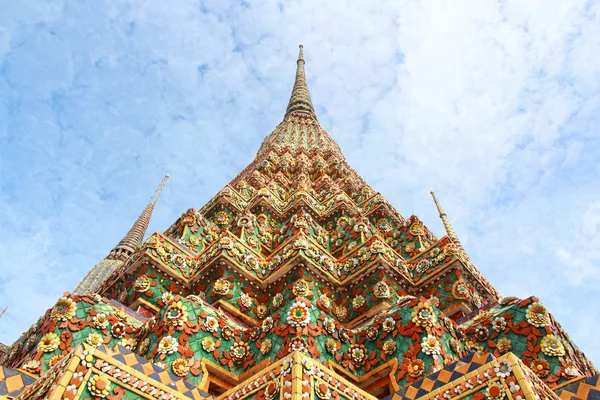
x=494 y=105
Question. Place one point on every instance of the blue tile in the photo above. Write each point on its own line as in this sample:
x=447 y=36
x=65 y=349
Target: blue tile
x=3 y=389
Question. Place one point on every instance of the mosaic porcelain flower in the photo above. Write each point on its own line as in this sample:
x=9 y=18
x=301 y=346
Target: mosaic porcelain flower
x=454 y=345
x=552 y=346
x=322 y=390
x=388 y=324
x=87 y=358
x=540 y=367
x=254 y=333
x=389 y=346
x=503 y=368
x=144 y=345
x=382 y=290
x=265 y=346
x=211 y=323
x=94 y=339
x=495 y=391
x=499 y=324
x=571 y=369
x=54 y=360
x=325 y=301
x=120 y=314
x=430 y=345
x=298 y=344
x=360 y=227
x=49 y=343
x=377 y=247
x=118 y=330
x=227 y=332
x=473 y=347
x=32 y=366
x=167 y=297
x=341 y=312
x=128 y=343
x=434 y=301
x=245 y=221
x=99 y=386
x=460 y=290
x=222 y=218
x=246 y=300
x=239 y=351
x=372 y=333
x=221 y=286
x=482 y=333
x=358 y=302
x=423 y=315
x=415 y=367
x=344 y=335
x=180 y=367
x=208 y=344
x=504 y=345
x=261 y=310
x=358 y=354
x=298 y=315
x=278 y=300
x=300 y=288
x=267 y=324
x=329 y=325
x=537 y=315
x=64 y=309
x=141 y=284
x=272 y=389
x=331 y=345
x=168 y=345
x=176 y=313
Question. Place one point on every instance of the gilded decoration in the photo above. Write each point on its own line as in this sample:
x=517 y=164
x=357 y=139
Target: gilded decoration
x=296 y=281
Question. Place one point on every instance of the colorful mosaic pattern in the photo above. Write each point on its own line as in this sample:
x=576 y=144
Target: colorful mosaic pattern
x=587 y=388
x=479 y=377
x=297 y=280
x=527 y=329
x=98 y=373
x=74 y=319
x=13 y=382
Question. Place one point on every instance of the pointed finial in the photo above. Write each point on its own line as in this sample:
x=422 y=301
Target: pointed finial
x=449 y=231
x=135 y=236
x=94 y=279
x=300 y=99
x=159 y=190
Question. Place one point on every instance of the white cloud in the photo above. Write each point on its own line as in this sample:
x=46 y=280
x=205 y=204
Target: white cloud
x=494 y=105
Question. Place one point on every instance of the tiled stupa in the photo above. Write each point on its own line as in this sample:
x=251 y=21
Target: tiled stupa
x=296 y=281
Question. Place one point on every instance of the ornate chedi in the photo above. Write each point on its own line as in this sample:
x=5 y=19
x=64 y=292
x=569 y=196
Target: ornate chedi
x=297 y=280
x=122 y=251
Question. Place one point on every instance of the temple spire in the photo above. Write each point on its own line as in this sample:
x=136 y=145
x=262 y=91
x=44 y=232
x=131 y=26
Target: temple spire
x=300 y=99
x=122 y=251
x=449 y=230
x=135 y=236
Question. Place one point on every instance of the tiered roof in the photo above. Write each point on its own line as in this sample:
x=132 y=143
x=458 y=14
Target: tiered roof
x=297 y=280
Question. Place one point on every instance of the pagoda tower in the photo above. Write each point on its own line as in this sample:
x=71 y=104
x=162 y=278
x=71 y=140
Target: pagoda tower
x=122 y=251
x=296 y=281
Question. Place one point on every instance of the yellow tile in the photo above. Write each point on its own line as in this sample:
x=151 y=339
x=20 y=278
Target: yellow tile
x=14 y=383
x=411 y=392
x=64 y=381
